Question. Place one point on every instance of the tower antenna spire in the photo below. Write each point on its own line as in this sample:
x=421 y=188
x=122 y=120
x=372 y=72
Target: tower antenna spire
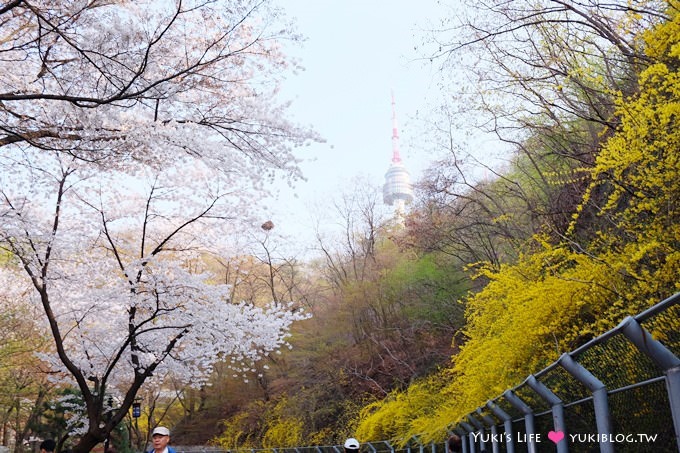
x=395 y=133
x=397 y=190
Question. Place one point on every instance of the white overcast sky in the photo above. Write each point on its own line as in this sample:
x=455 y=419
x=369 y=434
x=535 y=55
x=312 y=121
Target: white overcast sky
x=355 y=54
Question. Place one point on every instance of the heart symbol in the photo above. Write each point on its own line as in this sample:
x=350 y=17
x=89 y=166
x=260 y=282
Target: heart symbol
x=556 y=436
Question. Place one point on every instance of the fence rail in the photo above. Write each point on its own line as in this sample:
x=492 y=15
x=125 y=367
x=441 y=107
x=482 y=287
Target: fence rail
x=618 y=392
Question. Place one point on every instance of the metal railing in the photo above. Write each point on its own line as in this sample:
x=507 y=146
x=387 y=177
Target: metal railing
x=367 y=447
x=618 y=392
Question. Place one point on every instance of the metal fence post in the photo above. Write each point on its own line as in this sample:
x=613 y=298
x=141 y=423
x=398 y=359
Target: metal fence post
x=600 y=401
x=462 y=433
x=420 y=446
x=507 y=424
x=530 y=438
x=557 y=410
x=471 y=440
x=664 y=359
x=673 y=388
x=480 y=431
x=492 y=426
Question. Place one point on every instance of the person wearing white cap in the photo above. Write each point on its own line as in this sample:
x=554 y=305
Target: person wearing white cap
x=352 y=445
x=160 y=438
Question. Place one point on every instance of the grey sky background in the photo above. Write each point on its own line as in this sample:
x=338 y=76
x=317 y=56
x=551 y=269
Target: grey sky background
x=356 y=53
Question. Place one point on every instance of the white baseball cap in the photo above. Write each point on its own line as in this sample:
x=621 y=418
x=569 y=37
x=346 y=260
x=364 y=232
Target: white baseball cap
x=161 y=431
x=352 y=444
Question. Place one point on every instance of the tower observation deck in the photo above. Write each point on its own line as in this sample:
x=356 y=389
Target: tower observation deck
x=398 y=190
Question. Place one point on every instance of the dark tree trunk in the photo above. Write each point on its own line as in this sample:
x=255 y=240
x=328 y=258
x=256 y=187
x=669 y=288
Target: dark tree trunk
x=89 y=441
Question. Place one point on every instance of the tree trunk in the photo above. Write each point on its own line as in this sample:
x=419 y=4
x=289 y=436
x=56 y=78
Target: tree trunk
x=88 y=442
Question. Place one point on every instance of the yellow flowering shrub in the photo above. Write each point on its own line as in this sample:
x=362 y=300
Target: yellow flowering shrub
x=559 y=296
x=402 y=414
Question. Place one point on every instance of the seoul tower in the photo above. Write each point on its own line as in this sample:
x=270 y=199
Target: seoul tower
x=398 y=190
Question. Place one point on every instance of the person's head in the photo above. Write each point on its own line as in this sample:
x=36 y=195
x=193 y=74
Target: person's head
x=48 y=445
x=352 y=445
x=454 y=443
x=160 y=437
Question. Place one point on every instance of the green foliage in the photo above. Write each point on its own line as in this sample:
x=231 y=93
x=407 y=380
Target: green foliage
x=427 y=288
x=526 y=316
x=24 y=385
x=373 y=334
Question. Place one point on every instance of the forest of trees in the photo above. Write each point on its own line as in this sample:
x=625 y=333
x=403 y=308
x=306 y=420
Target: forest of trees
x=395 y=330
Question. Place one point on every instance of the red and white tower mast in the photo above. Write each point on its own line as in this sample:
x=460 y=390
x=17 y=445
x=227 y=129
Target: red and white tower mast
x=398 y=190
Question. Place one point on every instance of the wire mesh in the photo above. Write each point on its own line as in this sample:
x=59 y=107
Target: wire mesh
x=532 y=399
x=639 y=406
x=564 y=385
x=665 y=328
x=511 y=410
x=520 y=435
x=618 y=363
x=641 y=416
x=580 y=422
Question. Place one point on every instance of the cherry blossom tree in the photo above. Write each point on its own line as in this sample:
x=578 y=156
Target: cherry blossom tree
x=119 y=279
x=134 y=137
x=119 y=82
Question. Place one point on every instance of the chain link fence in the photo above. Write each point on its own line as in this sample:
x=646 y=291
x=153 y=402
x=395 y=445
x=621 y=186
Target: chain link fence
x=620 y=392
